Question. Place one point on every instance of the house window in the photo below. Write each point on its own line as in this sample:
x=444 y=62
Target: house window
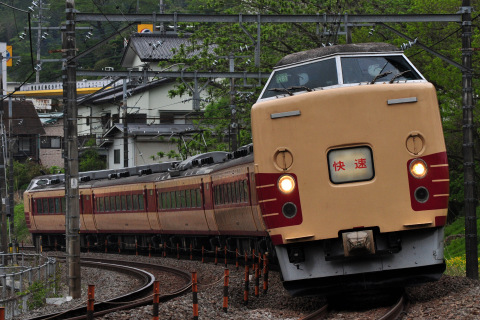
x=116 y=156
x=23 y=144
x=50 y=142
x=166 y=117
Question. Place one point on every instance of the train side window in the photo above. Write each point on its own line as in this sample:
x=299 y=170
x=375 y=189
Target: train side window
x=166 y=200
x=234 y=196
x=101 y=201
x=237 y=192
x=194 y=199
x=216 y=195
x=177 y=199
x=112 y=203
x=229 y=192
x=222 y=193
x=64 y=205
x=183 y=198
x=58 y=208
x=107 y=203
x=161 y=204
x=199 y=198
x=51 y=207
x=38 y=203
x=118 y=203
x=129 y=202
x=240 y=191
x=135 y=202
x=141 y=204
x=172 y=199
x=45 y=205
x=245 y=188
x=188 y=198
x=124 y=203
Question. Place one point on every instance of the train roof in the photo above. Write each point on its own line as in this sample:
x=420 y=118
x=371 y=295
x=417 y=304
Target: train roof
x=303 y=56
x=201 y=164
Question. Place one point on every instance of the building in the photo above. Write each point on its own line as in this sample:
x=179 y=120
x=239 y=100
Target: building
x=51 y=143
x=142 y=104
x=25 y=128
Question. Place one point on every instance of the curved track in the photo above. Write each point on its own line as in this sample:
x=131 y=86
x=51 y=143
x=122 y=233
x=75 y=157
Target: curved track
x=139 y=297
x=392 y=314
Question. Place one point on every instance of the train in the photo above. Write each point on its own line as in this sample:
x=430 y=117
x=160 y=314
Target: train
x=345 y=184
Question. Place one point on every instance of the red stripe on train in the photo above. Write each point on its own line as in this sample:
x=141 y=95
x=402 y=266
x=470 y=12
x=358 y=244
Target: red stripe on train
x=436 y=182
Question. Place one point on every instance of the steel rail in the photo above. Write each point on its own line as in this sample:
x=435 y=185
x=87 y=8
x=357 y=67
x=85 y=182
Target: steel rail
x=316 y=315
x=139 y=297
x=396 y=310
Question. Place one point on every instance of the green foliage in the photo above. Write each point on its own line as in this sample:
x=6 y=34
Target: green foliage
x=38 y=292
x=455 y=247
x=23 y=173
x=21 y=232
x=90 y=159
x=173 y=155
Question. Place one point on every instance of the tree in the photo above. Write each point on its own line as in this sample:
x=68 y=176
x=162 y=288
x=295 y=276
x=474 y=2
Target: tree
x=23 y=173
x=90 y=159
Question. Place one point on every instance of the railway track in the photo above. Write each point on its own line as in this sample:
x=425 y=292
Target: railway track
x=141 y=296
x=392 y=314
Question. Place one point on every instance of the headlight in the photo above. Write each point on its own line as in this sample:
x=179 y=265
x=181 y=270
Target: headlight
x=418 y=168
x=286 y=184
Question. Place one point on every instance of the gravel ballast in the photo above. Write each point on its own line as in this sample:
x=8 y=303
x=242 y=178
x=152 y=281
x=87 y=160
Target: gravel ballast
x=449 y=298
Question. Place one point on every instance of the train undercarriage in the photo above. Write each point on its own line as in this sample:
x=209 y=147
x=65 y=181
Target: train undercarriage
x=157 y=243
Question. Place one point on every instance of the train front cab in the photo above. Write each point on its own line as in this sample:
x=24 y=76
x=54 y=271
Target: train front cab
x=336 y=188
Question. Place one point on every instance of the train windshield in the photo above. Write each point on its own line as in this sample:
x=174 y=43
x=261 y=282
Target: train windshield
x=377 y=68
x=355 y=69
x=305 y=77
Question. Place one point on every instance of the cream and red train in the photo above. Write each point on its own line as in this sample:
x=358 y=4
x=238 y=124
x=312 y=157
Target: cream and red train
x=349 y=179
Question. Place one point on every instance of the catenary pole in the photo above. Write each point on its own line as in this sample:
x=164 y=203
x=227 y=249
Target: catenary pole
x=3 y=213
x=11 y=203
x=72 y=217
x=125 y=124
x=468 y=150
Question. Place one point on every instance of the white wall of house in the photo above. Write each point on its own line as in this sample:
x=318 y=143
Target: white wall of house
x=146 y=150
x=118 y=145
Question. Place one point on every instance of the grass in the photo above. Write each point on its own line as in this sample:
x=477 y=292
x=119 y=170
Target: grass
x=455 y=247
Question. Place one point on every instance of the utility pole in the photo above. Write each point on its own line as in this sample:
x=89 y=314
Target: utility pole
x=233 y=107
x=11 y=204
x=3 y=213
x=125 y=125
x=468 y=150
x=39 y=40
x=72 y=214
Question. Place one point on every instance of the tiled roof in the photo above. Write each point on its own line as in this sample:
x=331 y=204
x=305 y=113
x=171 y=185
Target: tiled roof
x=25 y=120
x=151 y=130
x=116 y=93
x=151 y=47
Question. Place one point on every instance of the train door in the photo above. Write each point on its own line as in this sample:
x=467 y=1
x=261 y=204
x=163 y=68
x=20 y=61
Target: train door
x=87 y=212
x=150 y=195
x=207 y=199
x=30 y=214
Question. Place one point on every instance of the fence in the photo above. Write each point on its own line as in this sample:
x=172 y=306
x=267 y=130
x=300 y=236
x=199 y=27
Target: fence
x=18 y=271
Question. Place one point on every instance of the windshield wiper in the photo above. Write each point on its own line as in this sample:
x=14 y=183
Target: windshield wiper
x=398 y=75
x=281 y=90
x=299 y=87
x=381 y=75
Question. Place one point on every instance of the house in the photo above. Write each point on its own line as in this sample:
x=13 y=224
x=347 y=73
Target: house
x=141 y=103
x=25 y=127
x=145 y=142
x=51 y=143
